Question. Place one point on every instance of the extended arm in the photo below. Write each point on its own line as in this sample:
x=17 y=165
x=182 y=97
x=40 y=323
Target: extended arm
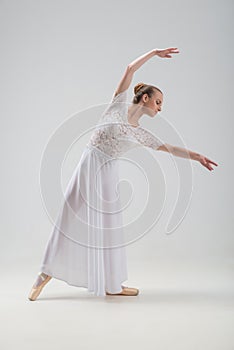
x=185 y=153
x=136 y=64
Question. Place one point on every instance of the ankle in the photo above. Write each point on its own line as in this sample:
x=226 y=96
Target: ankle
x=40 y=279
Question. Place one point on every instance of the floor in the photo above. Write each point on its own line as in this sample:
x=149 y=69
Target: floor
x=180 y=306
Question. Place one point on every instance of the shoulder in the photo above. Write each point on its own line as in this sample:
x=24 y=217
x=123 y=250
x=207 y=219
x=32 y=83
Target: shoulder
x=119 y=96
x=118 y=92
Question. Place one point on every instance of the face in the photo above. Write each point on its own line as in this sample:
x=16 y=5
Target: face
x=154 y=104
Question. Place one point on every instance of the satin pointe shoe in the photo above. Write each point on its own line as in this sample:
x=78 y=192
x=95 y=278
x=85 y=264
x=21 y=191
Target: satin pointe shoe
x=127 y=291
x=41 y=281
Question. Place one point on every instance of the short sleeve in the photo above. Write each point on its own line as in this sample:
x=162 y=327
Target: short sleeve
x=147 y=139
x=121 y=97
x=117 y=108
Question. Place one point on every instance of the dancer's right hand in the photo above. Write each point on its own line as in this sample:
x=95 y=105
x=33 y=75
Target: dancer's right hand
x=165 y=53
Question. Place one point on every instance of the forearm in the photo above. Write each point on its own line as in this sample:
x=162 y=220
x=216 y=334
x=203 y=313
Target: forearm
x=184 y=153
x=136 y=64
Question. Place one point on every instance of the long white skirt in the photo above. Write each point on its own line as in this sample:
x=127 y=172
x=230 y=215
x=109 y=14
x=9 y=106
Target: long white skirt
x=86 y=246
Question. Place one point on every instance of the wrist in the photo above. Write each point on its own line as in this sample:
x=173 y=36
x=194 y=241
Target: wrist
x=155 y=52
x=197 y=157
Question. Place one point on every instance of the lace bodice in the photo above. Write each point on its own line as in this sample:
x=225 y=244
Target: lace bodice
x=113 y=134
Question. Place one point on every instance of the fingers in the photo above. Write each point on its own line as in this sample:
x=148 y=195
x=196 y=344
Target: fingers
x=209 y=167
x=173 y=49
x=206 y=164
x=165 y=53
x=211 y=161
x=170 y=52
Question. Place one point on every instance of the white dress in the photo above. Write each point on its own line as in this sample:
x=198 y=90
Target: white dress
x=86 y=246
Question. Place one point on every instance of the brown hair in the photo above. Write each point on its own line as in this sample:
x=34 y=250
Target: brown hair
x=140 y=89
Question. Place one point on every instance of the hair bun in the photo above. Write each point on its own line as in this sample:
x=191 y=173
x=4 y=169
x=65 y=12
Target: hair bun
x=138 y=87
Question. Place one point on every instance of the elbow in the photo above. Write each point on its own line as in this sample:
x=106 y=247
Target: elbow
x=166 y=148
x=171 y=149
x=130 y=68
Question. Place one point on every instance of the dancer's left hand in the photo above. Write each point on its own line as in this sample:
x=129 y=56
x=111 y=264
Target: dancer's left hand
x=206 y=162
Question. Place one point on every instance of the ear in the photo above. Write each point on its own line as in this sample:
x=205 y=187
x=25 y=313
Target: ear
x=145 y=97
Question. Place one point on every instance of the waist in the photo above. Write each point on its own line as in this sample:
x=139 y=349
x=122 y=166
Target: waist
x=96 y=149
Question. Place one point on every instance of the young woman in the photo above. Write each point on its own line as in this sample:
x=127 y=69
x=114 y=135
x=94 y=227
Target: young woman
x=86 y=247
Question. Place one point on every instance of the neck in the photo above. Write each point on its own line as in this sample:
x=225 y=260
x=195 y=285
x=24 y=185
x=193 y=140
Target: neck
x=134 y=114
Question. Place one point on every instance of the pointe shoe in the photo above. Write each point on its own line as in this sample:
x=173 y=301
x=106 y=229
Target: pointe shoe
x=35 y=291
x=126 y=291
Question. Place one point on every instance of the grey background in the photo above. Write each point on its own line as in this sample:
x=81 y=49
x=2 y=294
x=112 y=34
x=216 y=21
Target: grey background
x=58 y=59
x=62 y=57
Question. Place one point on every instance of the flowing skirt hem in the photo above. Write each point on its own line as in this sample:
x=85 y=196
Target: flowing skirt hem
x=80 y=285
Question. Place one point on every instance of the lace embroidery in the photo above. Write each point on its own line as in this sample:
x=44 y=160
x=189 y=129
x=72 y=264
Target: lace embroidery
x=114 y=135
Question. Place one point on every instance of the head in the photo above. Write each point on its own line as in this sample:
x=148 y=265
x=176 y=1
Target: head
x=150 y=97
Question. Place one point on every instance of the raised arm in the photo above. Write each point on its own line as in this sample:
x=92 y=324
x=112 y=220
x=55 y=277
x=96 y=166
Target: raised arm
x=136 y=64
x=185 y=153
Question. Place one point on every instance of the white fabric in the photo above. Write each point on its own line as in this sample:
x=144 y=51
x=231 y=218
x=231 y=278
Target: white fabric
x=86 y=246
x=115 y=136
